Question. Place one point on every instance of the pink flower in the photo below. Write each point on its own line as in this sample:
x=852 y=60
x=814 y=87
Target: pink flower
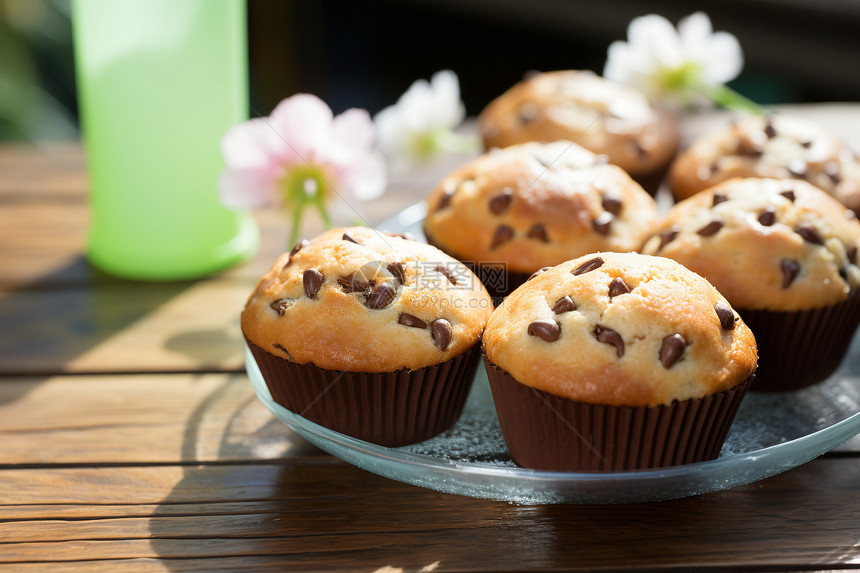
x=301 y=155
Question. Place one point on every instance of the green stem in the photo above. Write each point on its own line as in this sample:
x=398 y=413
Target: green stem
x=321 y=208
x=298 y=208
x=730 y=99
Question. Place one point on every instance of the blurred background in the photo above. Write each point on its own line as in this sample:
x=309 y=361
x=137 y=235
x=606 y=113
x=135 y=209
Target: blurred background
x=366 y=53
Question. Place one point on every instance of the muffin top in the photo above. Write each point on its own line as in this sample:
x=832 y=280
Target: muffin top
x=776 y=146
x=359 y=300
x=621 y=329
x=765 y=244
x=537 y=204
x=602 y=116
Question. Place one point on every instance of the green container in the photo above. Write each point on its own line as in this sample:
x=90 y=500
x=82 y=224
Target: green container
x=159 y=83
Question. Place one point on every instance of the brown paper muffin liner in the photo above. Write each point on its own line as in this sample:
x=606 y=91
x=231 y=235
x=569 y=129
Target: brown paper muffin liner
x=390 y=409
x=546 y=432
x=798 y=349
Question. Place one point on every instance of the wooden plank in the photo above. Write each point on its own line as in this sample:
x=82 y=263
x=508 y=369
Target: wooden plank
x=123 y=327
x=139 y=419
x=330 y=515
x=53 y=171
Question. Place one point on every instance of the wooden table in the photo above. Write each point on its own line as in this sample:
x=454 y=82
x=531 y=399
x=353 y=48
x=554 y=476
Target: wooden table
x=130 y=437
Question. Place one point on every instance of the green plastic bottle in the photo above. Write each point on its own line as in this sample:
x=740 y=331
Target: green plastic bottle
x=159 y=83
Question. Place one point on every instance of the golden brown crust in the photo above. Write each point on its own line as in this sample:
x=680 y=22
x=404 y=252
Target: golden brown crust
x=585 y=363
x=768 y=227
x=534 y=205
x=775 y=146
x=336 y=326
x=602 y=116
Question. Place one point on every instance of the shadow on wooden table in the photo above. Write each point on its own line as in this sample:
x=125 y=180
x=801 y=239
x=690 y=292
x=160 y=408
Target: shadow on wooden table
x=273 y=501
x=323 y=514
x=50 y=323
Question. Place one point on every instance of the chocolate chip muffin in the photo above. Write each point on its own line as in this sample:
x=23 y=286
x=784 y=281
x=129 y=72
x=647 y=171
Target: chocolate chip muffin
x=616 y=361
x=784 y=253
x=775 y=146
x=535 y=205
x=602 y=116
x=369 y=334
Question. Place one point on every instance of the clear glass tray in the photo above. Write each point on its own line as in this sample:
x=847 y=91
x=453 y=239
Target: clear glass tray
x=771 y=434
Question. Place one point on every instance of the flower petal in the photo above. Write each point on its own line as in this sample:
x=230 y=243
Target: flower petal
x=449 y=112
x=724 y=59
x=695 y=32
x=657 y=37
x=368 y=178
x=304 y=122
x=252 y=143
x=248 y=188
x=352 y=133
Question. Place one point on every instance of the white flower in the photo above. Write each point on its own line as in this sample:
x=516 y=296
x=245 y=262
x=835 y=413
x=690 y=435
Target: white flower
x=301 y=155
x=422 y=121
x=686 y=66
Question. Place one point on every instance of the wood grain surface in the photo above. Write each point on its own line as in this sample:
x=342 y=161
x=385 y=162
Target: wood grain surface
x=131 y=440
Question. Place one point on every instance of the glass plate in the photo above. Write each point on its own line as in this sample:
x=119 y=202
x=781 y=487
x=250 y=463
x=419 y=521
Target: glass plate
x=771 y=434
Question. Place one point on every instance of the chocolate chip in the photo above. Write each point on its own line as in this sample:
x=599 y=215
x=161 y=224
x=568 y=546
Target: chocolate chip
x=296 y=248
x=564 y=304
x=407 y=319
x=442 y=332
x=789 y=194
x=672 y=349
x=445 y=200
x=350 y=239
x=797 y=169
x=503 y=235
x=396 y=269
x=711 y=228
x=806 y=144
x=832 y=171
x=726 y=315
x=809 y=233
x=617 y=287
x=548 y=330
x=538 y=231
x=667 y=236
x=634 y=148
x=528 y=112
x=602 y=223
x=719 y=198
x=538 y=272
x=281 y=305
x=769 y=130
x=790 y=269
x=609 y=336
x=851 y=254
x=349 y=284
x=611 y=204
x=405 y=236
x=747 y=148
x=312 y=280
x=587 y=266
x=381 y=296
x=499 y=203
x=448 y=274
x=299 y=246
x=767 y=217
